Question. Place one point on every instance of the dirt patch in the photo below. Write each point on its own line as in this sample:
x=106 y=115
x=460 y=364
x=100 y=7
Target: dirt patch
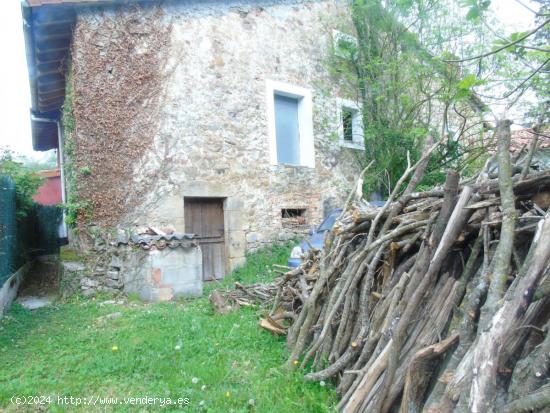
x=42 y=280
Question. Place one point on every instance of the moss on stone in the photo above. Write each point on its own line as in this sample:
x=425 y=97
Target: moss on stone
x=69 y=254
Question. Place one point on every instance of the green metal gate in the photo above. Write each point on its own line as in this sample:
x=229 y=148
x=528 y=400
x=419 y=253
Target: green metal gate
x=24 y=238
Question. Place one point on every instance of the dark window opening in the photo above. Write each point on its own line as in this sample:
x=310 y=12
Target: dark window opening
x=293 y=217
x=347 y=123
x=292 y=213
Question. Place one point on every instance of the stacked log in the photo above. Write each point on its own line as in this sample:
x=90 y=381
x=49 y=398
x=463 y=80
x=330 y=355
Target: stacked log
x=283 y=297
x=436 y=302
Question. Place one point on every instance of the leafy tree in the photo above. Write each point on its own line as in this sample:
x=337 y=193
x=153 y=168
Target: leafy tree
x=517 y=66
x=26 y=181
x=423 y=67
x=405 y=91
x=47 y=161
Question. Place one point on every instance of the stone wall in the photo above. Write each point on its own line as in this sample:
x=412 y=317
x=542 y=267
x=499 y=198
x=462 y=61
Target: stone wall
x=155 y=268
x=212 y=139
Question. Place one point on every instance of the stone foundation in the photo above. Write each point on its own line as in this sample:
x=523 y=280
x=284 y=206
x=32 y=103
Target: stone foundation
x=156 y=268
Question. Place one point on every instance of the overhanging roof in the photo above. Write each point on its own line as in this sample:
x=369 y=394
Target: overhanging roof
x=48 y=27
x=48 y=33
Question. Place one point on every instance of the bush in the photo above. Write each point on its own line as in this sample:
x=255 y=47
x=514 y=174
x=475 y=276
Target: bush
x=26 y=181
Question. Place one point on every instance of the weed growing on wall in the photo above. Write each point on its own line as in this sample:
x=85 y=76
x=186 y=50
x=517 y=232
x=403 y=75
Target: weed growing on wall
x=77 y=207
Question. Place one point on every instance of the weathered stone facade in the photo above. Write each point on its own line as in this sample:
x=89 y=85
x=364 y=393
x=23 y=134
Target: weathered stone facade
x=212 y=139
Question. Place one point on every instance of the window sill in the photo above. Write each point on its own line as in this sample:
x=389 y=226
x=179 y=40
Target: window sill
x=352 y=145
x=290 y=165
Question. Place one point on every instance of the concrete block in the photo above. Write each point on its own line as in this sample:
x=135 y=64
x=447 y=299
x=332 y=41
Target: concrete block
x=235 y=220
x=162 y=294
x=234 y=204
x=163 y=274
x=236 y=245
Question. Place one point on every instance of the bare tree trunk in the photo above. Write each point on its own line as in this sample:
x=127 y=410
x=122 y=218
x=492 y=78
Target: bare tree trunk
x=506 y=320
x=530 y=403
x=500 y=265
x=532 y=371
x=532 y=150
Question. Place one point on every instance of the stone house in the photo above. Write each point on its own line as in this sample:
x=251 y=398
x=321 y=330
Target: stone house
x=217 y=118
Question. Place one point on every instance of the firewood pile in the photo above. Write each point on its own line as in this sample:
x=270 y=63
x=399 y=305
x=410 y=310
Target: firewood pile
x=438 y=301
x=283 y=297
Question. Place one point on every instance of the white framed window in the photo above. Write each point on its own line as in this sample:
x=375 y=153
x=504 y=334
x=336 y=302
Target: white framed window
x=345 y=45
x=290 y=123
x=350 y=124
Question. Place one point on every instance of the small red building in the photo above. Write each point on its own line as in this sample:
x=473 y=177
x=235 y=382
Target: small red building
x=50 y=191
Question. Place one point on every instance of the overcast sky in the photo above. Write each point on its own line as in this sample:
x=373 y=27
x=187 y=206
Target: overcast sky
x=15 y=96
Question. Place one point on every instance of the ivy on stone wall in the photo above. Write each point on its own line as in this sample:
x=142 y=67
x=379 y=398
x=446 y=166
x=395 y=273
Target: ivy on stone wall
x=77 y=208
x=112 y=109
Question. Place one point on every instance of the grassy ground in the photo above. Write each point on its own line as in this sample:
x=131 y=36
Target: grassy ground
x=257 y=268
x=171 y=350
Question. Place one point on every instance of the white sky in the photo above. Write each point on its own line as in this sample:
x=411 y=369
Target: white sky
x=14 y=91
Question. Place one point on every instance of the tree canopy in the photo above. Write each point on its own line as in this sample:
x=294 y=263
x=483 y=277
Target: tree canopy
x=438 y=68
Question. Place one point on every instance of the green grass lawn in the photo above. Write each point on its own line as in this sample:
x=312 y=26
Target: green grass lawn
x=221 y=363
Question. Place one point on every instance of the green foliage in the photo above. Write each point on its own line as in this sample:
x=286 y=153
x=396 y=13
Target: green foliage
x=49 y=219
x=69 y=123
x=476 y=8
x=77 y=208
x=69 y=254
x=405 y=91
x=85 y=170
x=257 y=267
x=467 y=83
x=390 y=74
x=389 y=148
x=48 y=160
x=26 y=181
x=516 y=67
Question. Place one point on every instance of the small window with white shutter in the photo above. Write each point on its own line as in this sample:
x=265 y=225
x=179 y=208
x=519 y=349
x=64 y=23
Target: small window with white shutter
x=350 y=124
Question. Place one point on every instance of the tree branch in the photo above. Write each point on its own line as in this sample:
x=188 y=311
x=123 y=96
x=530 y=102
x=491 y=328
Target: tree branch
x=492 y=52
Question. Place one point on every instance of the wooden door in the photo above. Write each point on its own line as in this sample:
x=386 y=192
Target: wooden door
x=204 y=218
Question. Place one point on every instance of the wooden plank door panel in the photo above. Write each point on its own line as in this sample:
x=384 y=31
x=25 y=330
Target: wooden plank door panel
x=204 y=218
